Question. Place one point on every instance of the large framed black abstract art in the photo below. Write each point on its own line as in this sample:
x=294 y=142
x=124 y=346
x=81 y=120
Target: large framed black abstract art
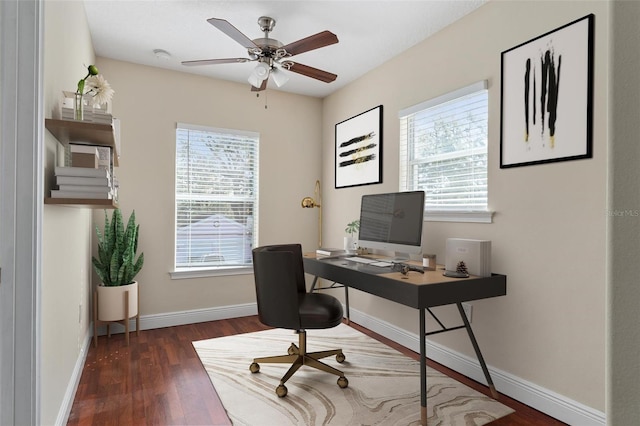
x=358 y=153
x=547 y=97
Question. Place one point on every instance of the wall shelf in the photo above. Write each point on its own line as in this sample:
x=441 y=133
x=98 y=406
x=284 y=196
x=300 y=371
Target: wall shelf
x=89 y=203
x=84 y=132
x=67 y=131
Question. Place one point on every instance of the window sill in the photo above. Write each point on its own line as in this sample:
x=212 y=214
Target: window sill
x=459 y=216
x=211 y=272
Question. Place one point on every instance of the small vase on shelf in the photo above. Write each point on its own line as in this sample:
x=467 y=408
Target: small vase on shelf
x=78 y=107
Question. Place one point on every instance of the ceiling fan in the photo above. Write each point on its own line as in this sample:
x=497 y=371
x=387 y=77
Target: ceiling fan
x=272 y=56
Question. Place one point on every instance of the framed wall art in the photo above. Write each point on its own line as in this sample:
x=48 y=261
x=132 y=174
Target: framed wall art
x=546 y=93
x=358 y=154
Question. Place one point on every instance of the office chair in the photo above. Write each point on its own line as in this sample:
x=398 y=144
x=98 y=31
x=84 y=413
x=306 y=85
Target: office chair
x=283 y=302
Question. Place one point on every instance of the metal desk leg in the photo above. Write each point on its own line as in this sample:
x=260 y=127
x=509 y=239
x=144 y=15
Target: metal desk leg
x=423 y=370
x=476 y=348
x=313 y=284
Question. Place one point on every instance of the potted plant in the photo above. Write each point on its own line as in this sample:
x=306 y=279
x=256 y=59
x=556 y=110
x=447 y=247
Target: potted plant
x=117 y=266
x=350 y=243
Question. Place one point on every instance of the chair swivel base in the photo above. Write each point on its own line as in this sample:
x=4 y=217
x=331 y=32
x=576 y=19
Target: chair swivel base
x=297 y=356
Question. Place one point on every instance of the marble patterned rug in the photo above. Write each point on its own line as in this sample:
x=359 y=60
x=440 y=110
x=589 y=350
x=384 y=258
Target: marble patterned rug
x=384 y=384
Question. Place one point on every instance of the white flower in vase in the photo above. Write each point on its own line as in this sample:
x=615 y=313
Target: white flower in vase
x=99 y=89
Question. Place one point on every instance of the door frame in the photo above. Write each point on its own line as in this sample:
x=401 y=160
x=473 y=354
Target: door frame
x=21 y=206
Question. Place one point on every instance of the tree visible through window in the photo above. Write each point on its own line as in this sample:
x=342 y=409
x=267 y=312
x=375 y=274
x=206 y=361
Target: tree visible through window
x=443 y=150
x=216 y=197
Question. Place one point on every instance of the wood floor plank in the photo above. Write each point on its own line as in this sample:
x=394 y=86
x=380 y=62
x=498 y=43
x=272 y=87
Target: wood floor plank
x=159 y=379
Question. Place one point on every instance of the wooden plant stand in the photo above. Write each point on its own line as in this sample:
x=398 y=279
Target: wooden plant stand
x=124 y=322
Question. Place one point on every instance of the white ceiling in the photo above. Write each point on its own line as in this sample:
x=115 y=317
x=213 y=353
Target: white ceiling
x=369 y=33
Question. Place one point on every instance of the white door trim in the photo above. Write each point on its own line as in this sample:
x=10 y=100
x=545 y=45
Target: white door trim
x=21 y=205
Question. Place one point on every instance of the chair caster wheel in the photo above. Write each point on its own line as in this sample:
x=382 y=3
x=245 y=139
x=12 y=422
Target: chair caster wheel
x=254 y=367
x=340 y=358
x=293 y=349
x=343 y=382
x=281 y=391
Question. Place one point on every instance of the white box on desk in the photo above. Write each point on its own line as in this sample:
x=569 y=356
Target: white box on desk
x=476 y=255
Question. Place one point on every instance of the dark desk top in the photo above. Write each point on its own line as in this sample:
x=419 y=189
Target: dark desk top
x=414 y=289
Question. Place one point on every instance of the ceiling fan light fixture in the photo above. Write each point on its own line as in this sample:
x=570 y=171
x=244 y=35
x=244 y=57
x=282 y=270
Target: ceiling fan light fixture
x=262 y=71
x=279 y=77
x=259 y=74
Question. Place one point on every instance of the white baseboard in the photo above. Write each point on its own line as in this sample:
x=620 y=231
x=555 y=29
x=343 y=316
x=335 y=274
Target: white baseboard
x=170 y=319
x=544 y=400
x=74 y=381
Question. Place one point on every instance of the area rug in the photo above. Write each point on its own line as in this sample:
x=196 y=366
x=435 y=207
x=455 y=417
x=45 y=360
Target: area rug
x=384 y=384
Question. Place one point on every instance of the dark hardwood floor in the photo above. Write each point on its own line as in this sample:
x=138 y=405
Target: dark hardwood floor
x=159 y=380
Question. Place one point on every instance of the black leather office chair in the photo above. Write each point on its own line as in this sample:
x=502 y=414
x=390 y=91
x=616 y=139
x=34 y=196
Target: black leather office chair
x=283 y=302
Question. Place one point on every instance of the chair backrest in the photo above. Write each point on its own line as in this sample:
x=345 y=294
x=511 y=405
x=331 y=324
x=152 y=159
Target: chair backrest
x=279 y=278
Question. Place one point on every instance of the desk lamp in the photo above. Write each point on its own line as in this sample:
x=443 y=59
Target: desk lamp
x=309 y=203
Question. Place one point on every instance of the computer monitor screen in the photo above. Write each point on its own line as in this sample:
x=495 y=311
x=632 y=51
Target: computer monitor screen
x=392 y=222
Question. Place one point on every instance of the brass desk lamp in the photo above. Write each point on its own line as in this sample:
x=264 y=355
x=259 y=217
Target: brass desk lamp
x=309 y=203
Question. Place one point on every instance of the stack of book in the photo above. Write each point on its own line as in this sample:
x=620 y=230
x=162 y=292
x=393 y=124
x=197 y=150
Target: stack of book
x=83 y=182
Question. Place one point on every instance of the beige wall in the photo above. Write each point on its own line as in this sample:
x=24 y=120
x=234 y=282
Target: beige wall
x=548 y=233
x=149 y=102
x=66 y=232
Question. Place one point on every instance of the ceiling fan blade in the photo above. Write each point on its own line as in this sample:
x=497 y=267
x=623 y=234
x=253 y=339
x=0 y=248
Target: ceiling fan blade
x=261 y=88
x=316 y=41
x=215 y=61
x=232 y=32
x=308 y=71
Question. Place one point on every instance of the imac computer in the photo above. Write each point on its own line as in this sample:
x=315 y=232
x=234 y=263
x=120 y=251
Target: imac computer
x=392 y=222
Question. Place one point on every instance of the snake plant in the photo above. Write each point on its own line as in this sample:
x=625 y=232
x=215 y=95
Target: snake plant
x=116 y=264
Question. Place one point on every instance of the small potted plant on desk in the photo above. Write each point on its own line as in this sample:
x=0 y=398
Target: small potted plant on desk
x=116 y=298
x=350 y=243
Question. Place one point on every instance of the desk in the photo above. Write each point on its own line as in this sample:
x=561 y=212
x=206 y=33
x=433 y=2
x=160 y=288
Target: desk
x=419 y=291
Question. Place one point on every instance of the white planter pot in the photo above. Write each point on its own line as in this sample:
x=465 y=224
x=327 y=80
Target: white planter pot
x=350 y=244
x=111 y=302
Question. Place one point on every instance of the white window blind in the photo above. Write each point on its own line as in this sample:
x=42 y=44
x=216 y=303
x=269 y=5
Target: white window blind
x=216 y=197
x=443 y=150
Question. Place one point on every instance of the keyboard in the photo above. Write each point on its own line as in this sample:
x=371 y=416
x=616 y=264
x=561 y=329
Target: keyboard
x=372 y=262
x=360 y=259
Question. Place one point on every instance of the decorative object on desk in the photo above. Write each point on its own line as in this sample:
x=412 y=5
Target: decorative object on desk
x=429 y=262
x=358 y=152
x=461 y=268
x=547 y=97
x=405 y=268
x=362 y=251
x=309 y=203
x=93 y=89
x=476 y=255
x=386 y=384
x=351 y=244
x=116 y=265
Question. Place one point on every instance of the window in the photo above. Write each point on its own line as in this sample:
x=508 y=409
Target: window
x=443 y=151
x=216 y=198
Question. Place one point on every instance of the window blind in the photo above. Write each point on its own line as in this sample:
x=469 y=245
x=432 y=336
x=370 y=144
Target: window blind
x=216 y=194
x=443 y=150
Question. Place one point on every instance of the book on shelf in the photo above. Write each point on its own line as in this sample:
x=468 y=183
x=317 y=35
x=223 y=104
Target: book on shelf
x=83 y=148
x=330 y=252
x=101 y=189
x=82 y=171
x=56 y=193
x=83 y=180
x=80 y=159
